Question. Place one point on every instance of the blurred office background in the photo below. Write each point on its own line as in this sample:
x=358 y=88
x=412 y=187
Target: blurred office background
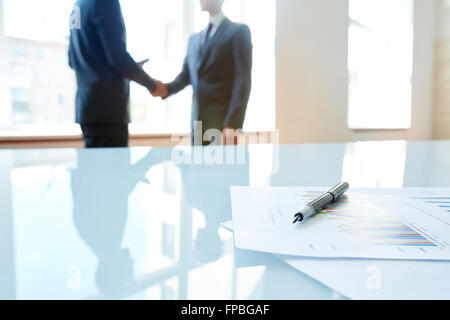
x=324 y=70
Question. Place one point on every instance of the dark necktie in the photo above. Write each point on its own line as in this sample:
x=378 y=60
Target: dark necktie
x=208 y=32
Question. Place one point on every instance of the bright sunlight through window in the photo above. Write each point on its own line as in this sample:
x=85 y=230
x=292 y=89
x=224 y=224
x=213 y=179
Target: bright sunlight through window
x=380 y=64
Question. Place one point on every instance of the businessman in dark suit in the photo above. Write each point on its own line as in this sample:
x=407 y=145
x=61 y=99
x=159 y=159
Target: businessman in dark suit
x=103 y=69
x=100 y=213
x=218 y=65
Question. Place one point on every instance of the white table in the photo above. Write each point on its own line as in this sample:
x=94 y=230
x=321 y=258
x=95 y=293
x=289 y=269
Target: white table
x=136 y=223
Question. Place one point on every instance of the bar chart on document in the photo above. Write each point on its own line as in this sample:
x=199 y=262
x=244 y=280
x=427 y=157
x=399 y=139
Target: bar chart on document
x=365 y=223
x=358 y=220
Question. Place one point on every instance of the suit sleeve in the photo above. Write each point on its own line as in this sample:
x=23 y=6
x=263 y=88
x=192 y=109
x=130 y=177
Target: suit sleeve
x=242 y=83
x=69 y=56
x=181 y=81
x=111 y=31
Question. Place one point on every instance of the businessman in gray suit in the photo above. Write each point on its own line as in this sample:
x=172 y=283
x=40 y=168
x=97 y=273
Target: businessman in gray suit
x=218 y=65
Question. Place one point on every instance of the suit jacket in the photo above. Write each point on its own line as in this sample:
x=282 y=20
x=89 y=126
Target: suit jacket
x=220 y=75
x=103 y=67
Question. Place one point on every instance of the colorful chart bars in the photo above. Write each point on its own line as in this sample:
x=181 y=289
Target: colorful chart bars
x=361 y=221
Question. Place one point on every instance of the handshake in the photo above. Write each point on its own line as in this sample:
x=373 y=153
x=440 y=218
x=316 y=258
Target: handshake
x=161 y=90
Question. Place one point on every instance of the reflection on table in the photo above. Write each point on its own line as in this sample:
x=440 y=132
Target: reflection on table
x=139 y=223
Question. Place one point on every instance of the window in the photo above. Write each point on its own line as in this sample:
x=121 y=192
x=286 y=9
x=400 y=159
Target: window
x=171 y=26
x=19 y=51
x=21 y=104
x=36 y=61
x=20 y=75
x=38 y=76
x=156 y=30
x=380 y=64
x=40 y=54
x=260 y=17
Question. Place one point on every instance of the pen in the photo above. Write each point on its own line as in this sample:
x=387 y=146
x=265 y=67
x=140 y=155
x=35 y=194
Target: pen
x=317 y=204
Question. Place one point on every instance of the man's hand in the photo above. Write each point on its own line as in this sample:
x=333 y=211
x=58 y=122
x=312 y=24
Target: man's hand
x=142 y=63
x=161 y=90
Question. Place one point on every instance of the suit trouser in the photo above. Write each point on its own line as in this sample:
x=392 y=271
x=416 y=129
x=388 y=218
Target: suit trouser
x=199 y=128
x=105 y=135
x=202 y=140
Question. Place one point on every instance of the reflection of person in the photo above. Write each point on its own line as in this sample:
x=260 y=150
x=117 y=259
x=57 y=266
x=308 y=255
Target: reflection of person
x=207 y=188
x=218 y=66
x=100 y=207
x=103 y=69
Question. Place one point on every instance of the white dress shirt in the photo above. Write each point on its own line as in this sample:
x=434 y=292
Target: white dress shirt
x=216 y=22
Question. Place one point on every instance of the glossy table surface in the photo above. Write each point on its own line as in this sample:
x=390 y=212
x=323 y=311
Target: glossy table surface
x=145 y=223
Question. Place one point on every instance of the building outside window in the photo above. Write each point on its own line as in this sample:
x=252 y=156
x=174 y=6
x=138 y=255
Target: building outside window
x=36 y=55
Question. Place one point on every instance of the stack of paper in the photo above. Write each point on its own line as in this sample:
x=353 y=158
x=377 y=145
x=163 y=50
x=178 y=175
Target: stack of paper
x=410 y=227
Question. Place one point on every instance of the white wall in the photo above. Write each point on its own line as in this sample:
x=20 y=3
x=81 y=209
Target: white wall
x=311 y=50
x=312 y=86
x=443 y=19
x=423 y=71
x=441 y=118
